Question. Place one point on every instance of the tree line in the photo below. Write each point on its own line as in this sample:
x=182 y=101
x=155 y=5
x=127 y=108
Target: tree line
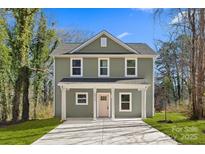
x=180 y=67
x=26 y=40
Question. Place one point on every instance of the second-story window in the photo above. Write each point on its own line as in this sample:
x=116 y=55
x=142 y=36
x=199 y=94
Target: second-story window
x=76 y=67
x=130 y=67
x=103 y=67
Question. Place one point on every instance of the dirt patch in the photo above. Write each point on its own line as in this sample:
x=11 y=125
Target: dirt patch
x=165 y=121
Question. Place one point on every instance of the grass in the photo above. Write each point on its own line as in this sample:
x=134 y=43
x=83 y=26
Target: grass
x=182 y=129
x=26 y=132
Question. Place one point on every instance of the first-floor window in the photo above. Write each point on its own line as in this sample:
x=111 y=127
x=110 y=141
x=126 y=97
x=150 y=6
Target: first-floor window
x=81 y=98
x=125 y=103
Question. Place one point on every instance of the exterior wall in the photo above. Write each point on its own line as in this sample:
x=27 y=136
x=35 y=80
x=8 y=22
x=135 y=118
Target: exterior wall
x=90 y=69
x=73 y=110
x=136 y=104
x=145 y=70
x=111 y=47
x=62 y=66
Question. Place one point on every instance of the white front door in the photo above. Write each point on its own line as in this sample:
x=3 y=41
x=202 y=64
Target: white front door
x=103 y=104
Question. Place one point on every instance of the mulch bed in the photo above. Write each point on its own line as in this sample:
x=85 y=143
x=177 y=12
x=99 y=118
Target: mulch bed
x=165 y=121
x=7 y=123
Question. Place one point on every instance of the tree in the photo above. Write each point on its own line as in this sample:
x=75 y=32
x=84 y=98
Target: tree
x=190 y=37
x=20 y=36
x=5 y=63
x=166 y=87
x=44 y=42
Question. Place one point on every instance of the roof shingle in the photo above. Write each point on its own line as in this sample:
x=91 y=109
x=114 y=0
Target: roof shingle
x=142 y=48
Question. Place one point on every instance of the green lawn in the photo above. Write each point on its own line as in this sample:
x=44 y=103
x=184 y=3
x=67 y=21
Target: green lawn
x=26 y=132
x=182 y=130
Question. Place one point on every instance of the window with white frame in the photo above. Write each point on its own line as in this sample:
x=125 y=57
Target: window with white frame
x=81 y=98
x=130 y=67
x=103 y=67
x=76 y=67
x=125 y=102
x=103 y=42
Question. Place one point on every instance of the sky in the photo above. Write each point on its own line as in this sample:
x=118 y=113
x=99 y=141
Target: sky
x=129 y=25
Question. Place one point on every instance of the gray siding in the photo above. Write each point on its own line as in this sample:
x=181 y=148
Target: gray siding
x=73 y=110
x=62 y=67
x=136 y=104
x=145 y=70
x=111 y=47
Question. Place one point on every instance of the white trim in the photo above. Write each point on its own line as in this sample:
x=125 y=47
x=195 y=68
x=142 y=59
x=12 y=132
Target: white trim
x=104 y=85
x=108 y=67
x=71 y=67
x=76 y=98
x=103 y=42
x=108 y=35
x=63 y=103
x=105 y=56
x=100 y=94
x=135 y=67
x=153 y=108
x=113 y=102
x=143 y=103
x=54 y=87
x=94 y=103
x=120 y=101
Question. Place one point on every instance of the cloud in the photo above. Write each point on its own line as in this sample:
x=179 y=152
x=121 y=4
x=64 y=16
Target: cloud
x=123 y=35
x=179 y=18
x=146 y=10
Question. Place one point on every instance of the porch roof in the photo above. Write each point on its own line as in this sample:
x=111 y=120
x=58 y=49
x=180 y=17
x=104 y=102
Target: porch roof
x=103 y=80
x=133 y=83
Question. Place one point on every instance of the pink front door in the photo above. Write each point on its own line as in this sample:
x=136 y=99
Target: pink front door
x=103 y=104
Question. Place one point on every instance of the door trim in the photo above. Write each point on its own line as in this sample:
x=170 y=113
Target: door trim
x=98 y=94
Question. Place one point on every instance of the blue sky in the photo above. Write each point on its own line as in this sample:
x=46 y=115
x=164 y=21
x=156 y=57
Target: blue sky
x=130 y=25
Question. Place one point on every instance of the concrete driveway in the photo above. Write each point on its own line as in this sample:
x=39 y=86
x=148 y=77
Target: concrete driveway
x=104 y=131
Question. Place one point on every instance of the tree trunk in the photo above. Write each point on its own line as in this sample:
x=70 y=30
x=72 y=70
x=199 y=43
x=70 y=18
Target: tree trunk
x=191 y=17
x=16 y=98
x=36 y=95
x=45 y=92
x=165 y=111
x=200 y=68
x=25 y=111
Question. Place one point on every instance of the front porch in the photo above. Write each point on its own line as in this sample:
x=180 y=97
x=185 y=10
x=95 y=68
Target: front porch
x=113 y=86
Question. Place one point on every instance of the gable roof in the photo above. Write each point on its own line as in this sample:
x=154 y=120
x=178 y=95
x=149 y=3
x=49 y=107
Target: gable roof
x=72 y=48
x=109 y=36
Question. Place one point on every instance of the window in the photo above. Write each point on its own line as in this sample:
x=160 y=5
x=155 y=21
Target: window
x=103 y=98
x=76 y=67
x=103 y=67
x=125 y=102
x=81 y=98
x=103 y=42
x=130 y=67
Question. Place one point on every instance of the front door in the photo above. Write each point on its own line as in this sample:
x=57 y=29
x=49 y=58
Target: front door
x=103 y=104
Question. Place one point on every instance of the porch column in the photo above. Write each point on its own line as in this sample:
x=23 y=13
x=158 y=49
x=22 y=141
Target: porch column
x=143 y=105
x=113 y=102
x=94 y=104
x=63 y=103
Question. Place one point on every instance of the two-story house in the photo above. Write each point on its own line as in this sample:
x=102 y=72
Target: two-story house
x=104 y=77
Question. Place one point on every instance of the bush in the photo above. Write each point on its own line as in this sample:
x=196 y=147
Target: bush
x=42 y=111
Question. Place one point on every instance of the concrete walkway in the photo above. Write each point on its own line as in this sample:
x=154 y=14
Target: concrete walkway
x=105 y=131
